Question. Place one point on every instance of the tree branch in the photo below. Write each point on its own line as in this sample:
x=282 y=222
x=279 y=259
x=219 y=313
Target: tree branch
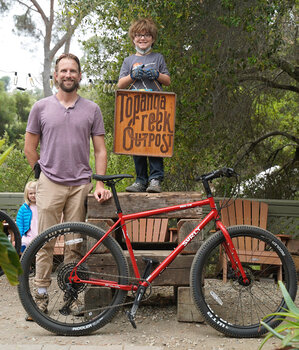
x=254 y=143
x=26 y=5
x=271 y=83
x=291 y=70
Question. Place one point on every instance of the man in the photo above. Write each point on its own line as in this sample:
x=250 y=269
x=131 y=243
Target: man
x=62 y=124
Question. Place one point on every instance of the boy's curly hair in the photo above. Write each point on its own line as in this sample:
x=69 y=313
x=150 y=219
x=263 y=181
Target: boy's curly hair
x=143 y=25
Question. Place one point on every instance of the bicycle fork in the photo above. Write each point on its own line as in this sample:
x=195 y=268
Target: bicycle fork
x=233 y=255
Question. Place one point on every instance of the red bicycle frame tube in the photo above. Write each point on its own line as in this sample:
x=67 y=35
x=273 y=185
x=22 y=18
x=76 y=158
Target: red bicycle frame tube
x=213 y=215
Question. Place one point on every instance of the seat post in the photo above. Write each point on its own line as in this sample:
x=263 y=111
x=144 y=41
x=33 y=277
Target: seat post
x=111 y=184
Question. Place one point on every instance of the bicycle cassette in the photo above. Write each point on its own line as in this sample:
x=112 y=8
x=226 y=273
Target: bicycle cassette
x=64 y=273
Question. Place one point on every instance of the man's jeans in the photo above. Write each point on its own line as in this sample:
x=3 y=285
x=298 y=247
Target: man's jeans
x=156 y=169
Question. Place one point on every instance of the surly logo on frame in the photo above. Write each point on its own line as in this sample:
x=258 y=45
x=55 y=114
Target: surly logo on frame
x=191 y=236
x=144 y=123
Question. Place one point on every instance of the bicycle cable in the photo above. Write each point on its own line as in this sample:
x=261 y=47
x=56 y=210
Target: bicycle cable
x=234 y=193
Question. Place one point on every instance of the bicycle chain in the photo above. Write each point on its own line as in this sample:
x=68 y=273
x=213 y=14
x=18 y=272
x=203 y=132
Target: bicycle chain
x=147 y=295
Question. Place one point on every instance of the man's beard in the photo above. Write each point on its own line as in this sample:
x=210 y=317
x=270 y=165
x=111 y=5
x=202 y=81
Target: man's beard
x=72 y=88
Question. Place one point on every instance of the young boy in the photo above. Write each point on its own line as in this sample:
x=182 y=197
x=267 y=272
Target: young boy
x=145 y=70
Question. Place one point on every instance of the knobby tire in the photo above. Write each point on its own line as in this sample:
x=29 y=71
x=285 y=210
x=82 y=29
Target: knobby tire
x=99 y=304
x=231 y=307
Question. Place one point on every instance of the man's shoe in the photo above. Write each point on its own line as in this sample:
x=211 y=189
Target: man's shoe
x=136 y=187
x=42 y=301
x=154 y=186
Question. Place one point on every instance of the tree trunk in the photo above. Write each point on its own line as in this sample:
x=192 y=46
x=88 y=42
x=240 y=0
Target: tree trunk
x=46 y=76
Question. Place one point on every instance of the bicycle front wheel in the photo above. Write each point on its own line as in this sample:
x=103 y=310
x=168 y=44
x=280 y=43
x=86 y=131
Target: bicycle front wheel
x=12 y=232
x=225 y=302
x=74 y=308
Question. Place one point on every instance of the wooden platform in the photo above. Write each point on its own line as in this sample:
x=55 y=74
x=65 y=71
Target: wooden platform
x=137 y=202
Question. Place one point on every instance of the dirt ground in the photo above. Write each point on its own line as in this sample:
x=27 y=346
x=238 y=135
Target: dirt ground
x=156 y=326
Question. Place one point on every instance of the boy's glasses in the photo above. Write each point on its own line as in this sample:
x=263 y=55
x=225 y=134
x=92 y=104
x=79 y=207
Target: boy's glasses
x=146 y=35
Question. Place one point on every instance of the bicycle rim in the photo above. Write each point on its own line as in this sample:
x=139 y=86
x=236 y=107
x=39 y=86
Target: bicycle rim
x=225 y=302
x=94 y=306
x=12 y=232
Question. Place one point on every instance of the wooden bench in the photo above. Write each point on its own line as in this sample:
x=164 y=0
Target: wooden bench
x=251 y=250
x=148 y=230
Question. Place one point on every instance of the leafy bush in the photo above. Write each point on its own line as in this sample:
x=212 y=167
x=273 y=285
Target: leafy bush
x=15 y=170
x=288 y=331
x=9 y=259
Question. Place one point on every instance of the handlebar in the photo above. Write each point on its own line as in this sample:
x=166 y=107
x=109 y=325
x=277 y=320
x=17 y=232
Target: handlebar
x=223 y=172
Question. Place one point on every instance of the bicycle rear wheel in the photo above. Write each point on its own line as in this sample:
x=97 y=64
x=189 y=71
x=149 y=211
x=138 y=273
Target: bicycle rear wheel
x=12 y=232
x=225 y=302
x=98 y=305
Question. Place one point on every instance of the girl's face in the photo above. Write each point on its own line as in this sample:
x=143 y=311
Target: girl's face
x=143 y=40
x=31 y=196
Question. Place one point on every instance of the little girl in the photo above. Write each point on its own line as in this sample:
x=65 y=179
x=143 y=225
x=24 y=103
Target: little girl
x=27 y=216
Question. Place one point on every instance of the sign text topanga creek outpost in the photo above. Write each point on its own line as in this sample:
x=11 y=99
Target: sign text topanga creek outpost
x=144 y=123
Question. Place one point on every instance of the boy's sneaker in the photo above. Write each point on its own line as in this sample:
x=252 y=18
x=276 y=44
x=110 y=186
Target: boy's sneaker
x=154 y=186
x=136 y=187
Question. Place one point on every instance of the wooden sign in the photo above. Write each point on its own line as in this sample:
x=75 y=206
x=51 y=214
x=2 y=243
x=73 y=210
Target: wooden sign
x=144 y=123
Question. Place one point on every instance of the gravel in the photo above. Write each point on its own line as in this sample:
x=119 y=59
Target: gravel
x=156 y=321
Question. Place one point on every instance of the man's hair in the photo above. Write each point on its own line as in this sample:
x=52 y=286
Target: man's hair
x=69 y=56
x=143 y=25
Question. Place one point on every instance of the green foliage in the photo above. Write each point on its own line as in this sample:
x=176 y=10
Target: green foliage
x=6 y=81
x=15 y=170
x=7 y=110
x=6 y=153
x=14 y=111
x=288 y=331
x=221 y=56
x=9 y=259
x=232 y=66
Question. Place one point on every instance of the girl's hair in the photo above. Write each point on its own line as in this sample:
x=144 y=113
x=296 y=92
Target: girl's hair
x=143 y=25
x=31 y=185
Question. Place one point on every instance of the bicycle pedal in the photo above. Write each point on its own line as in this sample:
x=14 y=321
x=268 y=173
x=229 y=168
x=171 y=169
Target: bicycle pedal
x=131 y=319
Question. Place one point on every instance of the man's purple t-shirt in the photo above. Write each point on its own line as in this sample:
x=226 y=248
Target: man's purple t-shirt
x=65 y=138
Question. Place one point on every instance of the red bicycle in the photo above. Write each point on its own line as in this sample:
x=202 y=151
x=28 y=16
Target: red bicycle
x=100 y=280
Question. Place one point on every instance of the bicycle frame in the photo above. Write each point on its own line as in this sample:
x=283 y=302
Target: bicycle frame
x=122 y=218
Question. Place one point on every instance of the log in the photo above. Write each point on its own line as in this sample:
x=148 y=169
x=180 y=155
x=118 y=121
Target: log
x=137 y=202
x=184 y=228
x=187 y=311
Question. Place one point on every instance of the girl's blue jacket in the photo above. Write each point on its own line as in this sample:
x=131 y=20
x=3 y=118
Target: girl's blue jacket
x=24 y=218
